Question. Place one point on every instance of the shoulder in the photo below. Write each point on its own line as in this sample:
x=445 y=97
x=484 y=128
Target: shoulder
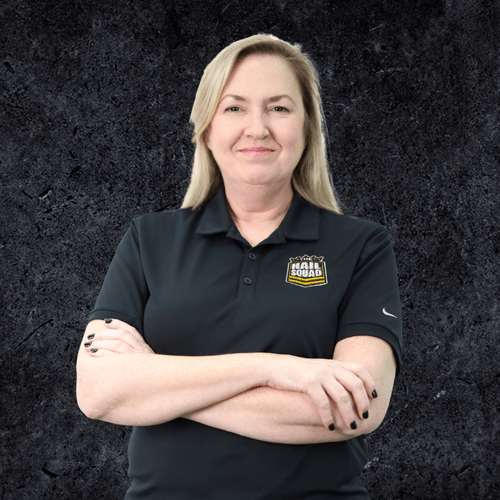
x=156 y=229
x=161 y=220
x=341 y=226
x=345 y=234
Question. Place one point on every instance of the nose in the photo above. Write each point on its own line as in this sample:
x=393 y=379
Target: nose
x=256 y=125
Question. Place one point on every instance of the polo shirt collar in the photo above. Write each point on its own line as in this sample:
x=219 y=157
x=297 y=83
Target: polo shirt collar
x=215 y=217
x=301 y=221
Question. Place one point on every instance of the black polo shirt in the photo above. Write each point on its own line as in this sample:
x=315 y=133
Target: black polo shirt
x=191 y=284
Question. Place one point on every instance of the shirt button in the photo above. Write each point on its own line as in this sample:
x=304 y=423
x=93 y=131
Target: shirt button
x=247 y=281
x=252 y=256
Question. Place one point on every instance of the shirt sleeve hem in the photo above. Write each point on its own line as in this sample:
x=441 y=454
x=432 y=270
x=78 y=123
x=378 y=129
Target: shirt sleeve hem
x=373 y=330
x=108 y=313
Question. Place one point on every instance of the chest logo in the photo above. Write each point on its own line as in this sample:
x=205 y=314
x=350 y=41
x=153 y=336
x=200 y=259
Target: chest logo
x=306 y=271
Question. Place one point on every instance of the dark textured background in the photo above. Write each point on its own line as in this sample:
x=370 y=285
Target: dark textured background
x=95 y=97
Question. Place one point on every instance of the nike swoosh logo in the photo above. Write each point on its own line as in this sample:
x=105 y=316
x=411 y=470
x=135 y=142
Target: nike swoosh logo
x=388 y=314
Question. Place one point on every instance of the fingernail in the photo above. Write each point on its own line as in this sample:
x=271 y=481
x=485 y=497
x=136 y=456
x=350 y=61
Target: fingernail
x=107 y=320
x=331 y=427
x=354 y=425
x=93 y=350
x=91 y=336
x=87 y=344
x=365 y=414
x=374 y=393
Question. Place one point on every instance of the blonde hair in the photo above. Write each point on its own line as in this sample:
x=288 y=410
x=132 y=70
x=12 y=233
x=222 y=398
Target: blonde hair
x=311 y=178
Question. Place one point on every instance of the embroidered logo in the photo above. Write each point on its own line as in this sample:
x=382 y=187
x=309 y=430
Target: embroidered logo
x=306 y=271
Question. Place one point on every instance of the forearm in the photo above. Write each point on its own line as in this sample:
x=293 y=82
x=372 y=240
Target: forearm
x=291 y=417
x=275 y=416
x=121 y=380
x=148 y=389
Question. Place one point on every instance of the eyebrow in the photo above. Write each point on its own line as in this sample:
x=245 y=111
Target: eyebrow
x=275 y=98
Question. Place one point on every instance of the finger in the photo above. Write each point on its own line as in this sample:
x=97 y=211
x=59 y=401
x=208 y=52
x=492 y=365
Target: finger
x=322 y=403
x=128 y=334
x=114 y=335
x=360 y=371
x=116 y=324
x=100 y=353
x=116 y=346
x=344 y=403
x=356 y=388
x=345 y=425
x=117 y=341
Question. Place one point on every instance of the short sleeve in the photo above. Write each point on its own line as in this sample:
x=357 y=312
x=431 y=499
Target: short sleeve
x=371 y=303
x=124 y=292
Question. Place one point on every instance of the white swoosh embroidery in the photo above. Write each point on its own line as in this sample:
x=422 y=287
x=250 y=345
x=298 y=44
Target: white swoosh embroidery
x=388 y=314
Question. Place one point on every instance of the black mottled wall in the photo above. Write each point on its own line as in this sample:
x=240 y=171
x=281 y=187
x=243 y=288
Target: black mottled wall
x=95 y=97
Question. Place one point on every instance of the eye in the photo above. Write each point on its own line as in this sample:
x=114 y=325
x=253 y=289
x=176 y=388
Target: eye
x=281 y=109
x=233 y=109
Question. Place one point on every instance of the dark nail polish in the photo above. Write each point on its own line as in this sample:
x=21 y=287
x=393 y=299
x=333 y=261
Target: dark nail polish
x=87 y=344
x=93 y=350
x=354 y=425
x=374 y=393
x=331 y=427
x=91 y=336
x=107 y=320
x=366 y=414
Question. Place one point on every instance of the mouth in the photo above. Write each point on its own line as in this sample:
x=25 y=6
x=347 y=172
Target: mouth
x=256 y=152
x=256 y=149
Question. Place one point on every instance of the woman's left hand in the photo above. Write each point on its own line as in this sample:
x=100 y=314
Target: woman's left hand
x=117 y=337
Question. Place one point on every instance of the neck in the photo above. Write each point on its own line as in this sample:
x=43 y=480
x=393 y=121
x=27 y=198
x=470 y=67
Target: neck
x=258 y=211
x=259 y=204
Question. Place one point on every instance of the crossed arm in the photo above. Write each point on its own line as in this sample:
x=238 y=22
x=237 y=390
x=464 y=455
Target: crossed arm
x=292 y=417
x=271 y=397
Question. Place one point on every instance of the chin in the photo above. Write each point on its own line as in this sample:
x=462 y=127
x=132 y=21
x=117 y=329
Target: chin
x=260 y=179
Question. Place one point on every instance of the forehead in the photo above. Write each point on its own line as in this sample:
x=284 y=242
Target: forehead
x=263 y=73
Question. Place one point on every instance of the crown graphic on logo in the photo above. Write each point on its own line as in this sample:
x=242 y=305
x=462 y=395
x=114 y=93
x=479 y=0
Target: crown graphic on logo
x=306 y=271
x=312 y=258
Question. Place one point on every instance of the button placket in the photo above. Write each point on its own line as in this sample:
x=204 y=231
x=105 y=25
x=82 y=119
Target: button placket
x=248 y=277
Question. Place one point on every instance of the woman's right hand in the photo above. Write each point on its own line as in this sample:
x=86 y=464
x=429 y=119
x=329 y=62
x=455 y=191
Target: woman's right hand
x=340 y=390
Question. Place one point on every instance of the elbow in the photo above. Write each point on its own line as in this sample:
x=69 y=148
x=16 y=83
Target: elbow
x=89 y=405
x=89 y=410
x=91 y=396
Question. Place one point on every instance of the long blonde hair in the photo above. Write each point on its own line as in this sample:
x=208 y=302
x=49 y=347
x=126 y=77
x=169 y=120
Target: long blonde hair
x=311 y=178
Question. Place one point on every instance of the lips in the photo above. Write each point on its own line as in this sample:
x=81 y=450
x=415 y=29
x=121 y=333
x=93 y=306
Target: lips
x=258 y=150
x=254 y=152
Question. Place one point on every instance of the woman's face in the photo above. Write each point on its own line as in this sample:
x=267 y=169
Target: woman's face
x=257 y=134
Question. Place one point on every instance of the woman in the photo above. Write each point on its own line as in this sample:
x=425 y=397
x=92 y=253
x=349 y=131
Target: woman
x=251 y=337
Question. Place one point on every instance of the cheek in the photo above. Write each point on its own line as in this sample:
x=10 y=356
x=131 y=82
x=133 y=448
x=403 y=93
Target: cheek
x=295 y=139
x=221 y=138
